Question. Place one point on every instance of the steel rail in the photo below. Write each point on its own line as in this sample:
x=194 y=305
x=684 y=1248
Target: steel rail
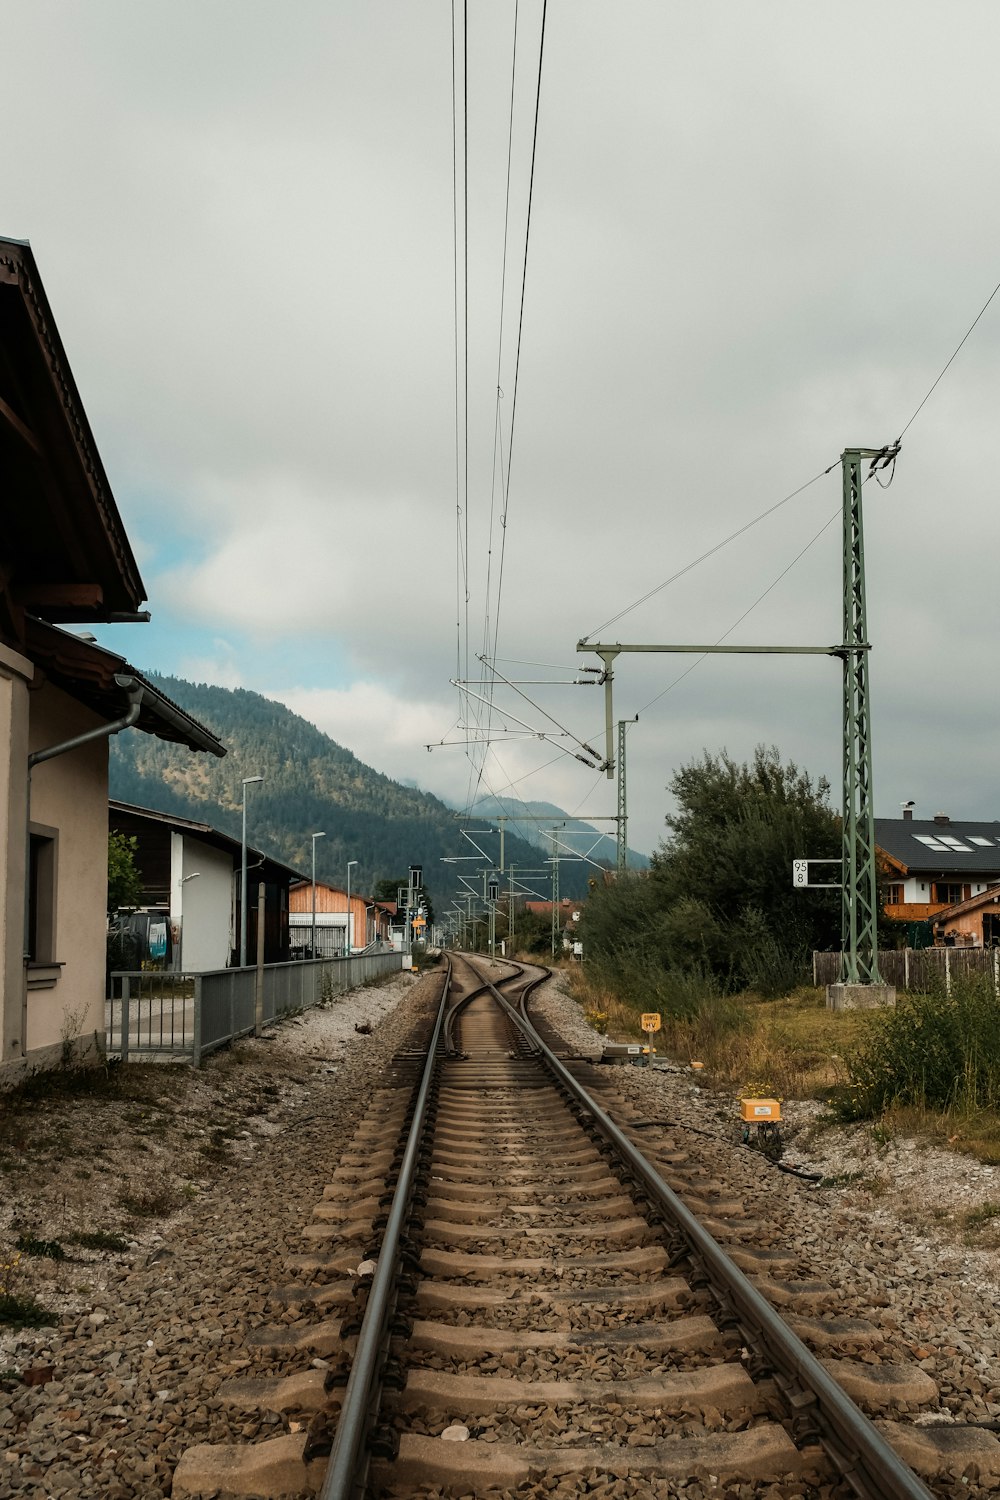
x=346 y=1472
x=863 y=1457
x=452 y=1018
x=454 y=1012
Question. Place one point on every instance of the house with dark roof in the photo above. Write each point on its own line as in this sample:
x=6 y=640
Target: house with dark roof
x=191 y=893
x=931 y=864
x=65 y=561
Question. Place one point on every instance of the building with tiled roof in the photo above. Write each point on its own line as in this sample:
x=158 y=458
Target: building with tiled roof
x=930 y=864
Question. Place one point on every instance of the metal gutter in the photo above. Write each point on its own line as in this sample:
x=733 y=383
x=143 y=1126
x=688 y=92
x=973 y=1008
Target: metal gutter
x=180 y=721
x=134 y=692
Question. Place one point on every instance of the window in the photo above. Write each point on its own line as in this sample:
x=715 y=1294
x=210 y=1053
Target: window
x=42 y=897
x=947 y=892
x=894 y=895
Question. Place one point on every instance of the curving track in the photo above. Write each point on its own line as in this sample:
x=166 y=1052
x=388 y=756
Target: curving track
x=504 y=1293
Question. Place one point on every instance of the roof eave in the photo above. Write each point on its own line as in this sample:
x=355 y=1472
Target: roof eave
x=18 y=268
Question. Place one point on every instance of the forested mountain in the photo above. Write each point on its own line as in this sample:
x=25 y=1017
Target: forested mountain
x=310 y=783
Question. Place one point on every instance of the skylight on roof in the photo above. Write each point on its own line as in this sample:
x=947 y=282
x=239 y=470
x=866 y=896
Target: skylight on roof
x=954 y=843
x=935 y=844
x=983 y=843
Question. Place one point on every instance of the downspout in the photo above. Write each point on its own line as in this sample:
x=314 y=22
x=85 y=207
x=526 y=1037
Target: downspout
x=133 y=693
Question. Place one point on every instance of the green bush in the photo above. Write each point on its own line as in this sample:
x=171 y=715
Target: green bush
x=762 y=962
x=936 y=1051
x=640 y=981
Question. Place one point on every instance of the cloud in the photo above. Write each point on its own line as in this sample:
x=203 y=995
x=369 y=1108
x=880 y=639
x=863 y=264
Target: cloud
x=752 y=245
x=224 y=666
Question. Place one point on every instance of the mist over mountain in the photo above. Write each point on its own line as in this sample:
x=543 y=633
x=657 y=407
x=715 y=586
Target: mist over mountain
x=311 y=784
x=529 y=820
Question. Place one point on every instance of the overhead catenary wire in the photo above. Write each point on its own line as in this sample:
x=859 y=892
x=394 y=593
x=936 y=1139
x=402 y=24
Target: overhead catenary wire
x=520 y=328
x=736 y=623
x=506 y=480
x=480 y=715
x=949 y=362
x=545 y=714
x=460 y=228
x=498 y=459
x=461 y=576
x=891 y=453
x=555 y=666
x=746 y=613
x=784 y=501
x=733 y=536
x=497 y=426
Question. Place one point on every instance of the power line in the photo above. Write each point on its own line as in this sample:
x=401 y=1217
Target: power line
x=505 y=484
x=759 y=600
x=458 y=428
x=948 y=364
x=497 y=422
x=555 y=666
x=711 y=552
x=520 y=326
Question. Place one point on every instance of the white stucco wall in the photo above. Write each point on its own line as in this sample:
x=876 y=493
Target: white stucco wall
x=201 y=899
x=918 y=888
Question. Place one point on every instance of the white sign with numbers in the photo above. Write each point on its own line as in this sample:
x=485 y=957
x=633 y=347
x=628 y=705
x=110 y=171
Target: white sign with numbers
x=800 y=875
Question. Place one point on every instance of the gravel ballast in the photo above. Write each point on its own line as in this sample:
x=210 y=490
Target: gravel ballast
x=146 y=1337
x=147 y=1334
x=882 y=1224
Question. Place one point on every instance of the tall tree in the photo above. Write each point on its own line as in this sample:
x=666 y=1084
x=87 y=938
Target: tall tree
x=124 y=879
x=719 y=896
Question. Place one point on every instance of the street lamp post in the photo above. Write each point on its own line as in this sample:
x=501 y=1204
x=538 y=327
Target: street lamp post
x=312 y=947
x=350 y=862
x=247 y=781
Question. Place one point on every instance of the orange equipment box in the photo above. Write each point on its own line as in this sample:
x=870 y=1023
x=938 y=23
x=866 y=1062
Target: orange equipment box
x=756 y=1110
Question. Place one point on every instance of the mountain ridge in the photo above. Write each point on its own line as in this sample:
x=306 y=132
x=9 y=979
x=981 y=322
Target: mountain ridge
x=311 y=784
x=577 y=832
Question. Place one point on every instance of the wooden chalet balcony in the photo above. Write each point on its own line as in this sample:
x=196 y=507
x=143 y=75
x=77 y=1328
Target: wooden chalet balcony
x=914 y=911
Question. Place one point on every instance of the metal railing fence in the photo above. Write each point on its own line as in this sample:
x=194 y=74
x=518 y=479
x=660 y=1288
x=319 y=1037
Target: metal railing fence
x=185 y=1016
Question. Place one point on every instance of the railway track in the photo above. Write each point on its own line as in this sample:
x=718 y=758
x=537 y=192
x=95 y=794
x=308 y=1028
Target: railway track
x=502 y=1292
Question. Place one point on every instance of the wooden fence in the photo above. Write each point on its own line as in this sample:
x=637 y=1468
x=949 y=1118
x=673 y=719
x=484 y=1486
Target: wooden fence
x=919 y=968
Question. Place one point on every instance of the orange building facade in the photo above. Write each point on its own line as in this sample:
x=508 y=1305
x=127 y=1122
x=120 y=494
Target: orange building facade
x=339 y=929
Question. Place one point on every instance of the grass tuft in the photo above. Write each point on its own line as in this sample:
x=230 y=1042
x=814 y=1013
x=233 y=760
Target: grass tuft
x=47 y=1249
x=153 y=1200
x=99 y=1239
x=937 y=1052
x=23 y=1312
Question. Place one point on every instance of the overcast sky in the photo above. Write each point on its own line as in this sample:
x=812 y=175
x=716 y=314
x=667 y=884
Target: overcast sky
x=758 y=233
